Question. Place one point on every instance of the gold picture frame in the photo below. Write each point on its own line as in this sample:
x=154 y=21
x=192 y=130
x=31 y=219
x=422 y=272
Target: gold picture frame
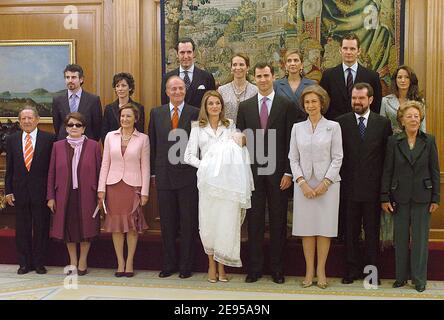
x=32 y=72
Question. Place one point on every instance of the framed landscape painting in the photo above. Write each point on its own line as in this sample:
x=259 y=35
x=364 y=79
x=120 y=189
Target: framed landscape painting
x=31 y=72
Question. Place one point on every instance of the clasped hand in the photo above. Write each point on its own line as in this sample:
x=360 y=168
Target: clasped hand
x=311 y=193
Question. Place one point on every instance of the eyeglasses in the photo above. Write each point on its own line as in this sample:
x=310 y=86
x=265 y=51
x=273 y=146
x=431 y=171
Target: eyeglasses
x=77 y=125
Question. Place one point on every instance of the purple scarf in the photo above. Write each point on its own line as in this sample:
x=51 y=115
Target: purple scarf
x=76 y=144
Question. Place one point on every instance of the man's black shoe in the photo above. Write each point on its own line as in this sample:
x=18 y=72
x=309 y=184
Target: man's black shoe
x=348 y=280
x=22 y=270
x=40 y=270
x=399 y=284
x=278 y=277
x=252 y=278
x=420 y=287
x=185 y=274
x=165 y=274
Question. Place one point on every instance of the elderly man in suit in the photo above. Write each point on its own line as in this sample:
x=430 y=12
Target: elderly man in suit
x=75 y=99
x=197 y=81
x=28 y=153
x=275 y=115
x=364 y=139
x=176 y=181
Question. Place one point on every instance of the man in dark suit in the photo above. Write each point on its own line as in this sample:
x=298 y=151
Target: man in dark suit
x=76 y=99
x=176 y=181
x=338 y=81
x=364 y=139
x=197 y=81
x=272 y=177
x=28 y=153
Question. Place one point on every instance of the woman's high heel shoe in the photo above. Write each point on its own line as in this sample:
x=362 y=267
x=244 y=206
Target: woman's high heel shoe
x=223 y=278
x=306 y=284
x=322 y=285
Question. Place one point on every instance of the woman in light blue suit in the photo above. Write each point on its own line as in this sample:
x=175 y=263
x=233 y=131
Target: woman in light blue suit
x=294 y=83
x=315 y=159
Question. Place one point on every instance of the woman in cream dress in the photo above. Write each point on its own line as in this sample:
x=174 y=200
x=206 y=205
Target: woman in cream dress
x=315 y=159
x=225 y=183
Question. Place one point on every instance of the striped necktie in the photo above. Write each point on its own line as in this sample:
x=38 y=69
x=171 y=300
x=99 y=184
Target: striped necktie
x=29 y=152
x=175 y=118
x=349 y=81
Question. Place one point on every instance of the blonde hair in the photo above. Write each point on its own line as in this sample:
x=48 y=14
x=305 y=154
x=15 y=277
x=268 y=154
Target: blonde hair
x=203 y=113
x=407 y=105
x=320 y=92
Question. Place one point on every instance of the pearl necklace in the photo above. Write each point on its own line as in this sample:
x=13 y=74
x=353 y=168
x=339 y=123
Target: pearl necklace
x=238 y=94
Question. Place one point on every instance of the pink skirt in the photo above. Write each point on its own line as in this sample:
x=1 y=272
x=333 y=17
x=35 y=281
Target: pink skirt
x=124 y=209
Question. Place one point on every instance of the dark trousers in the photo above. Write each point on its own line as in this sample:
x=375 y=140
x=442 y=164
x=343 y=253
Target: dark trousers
x=266 y=190
x=417 y=217
x=178 y=210
x=32 y=234
x=366 y=214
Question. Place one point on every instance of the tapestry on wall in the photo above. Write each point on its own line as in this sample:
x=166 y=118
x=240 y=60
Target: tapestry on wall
x=266 y=29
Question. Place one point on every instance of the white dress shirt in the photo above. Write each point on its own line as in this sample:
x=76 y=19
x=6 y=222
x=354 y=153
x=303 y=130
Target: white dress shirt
x=33 y=139
x=354 y=69
x=190 y=73
x=365 y=115
x=269 y=101
x=179 y=109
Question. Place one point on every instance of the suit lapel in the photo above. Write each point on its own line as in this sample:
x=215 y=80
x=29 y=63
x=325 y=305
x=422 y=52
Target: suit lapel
x=65 y=104
x=254 y=112
x=82 y=104
x=37 y=149
x=166 y=117
x=115 y=110
x=19 y=145
x=275 y=108
x=341 y=79
x=354 y=130
x=286 y=88
x=370 y=127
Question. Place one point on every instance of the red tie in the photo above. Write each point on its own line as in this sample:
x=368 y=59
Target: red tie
x=175 y=118
x=29 y=152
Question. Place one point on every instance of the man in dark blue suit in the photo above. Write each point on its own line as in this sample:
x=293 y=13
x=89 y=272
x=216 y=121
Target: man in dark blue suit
x=197 y=81
x=28 y=153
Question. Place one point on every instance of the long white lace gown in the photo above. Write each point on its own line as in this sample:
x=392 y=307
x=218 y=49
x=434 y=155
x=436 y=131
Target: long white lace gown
x=225 y=184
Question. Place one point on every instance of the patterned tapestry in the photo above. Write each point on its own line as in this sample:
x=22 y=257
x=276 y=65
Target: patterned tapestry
x=266 y=29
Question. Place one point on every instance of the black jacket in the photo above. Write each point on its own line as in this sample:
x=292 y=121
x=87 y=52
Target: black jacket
x=411 y=175
x=333 y=82
x=28 y=187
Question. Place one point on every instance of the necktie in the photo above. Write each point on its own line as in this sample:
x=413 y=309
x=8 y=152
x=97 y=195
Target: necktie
x=361 y=127
x=72 y=103
x=175 y=118
x=349 y=81
x=186 y=79
x=264 y=113
x=29 y=152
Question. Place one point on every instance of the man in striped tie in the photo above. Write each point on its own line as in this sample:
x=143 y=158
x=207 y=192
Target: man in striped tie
x=28 y=154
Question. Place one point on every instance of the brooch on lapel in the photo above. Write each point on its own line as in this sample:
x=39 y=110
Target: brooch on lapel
x=328 y=129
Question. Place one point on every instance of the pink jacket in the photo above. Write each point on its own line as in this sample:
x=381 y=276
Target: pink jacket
x=133 y=168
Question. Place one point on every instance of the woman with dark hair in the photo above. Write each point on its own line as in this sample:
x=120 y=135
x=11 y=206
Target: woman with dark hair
x=239 y=89
x=124 y=178
x=410 y=192
x=123 y=84
x=72 y=184
x=225 y=182
x=404 y=87
x=294 y=83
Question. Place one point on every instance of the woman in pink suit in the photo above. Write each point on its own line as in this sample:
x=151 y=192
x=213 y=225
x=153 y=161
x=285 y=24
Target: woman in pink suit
x=124 y=177
x=72 y=186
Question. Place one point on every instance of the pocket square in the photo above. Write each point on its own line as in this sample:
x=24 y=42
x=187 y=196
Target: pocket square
x=201 y=87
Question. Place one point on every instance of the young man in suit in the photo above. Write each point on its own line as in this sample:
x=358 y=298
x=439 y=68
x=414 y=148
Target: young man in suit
x=197 y=81
x=28 y=153
x=364 y=139
x=338 y=81
x=176 y=182
x=75 y=99
x=275 y=115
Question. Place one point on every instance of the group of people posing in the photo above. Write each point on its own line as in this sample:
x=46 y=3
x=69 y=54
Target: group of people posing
x=219 y=156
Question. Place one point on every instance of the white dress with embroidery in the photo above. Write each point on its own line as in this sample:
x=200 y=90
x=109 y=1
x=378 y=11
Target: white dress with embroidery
x=225 y=184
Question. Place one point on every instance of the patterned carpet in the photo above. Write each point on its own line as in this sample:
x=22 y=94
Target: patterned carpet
x=100 y=284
